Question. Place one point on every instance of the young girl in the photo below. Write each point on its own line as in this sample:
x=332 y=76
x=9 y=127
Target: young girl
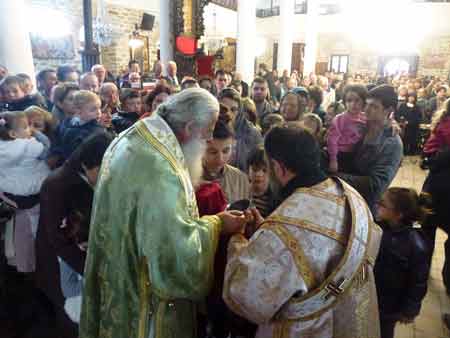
x=440 y=134
x=22 y=171
x=261 y=194
x=41 y=120
x=346 y=129
x=401 y=269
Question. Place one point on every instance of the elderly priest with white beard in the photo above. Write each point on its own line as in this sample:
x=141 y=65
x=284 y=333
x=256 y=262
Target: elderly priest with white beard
x=150 y=256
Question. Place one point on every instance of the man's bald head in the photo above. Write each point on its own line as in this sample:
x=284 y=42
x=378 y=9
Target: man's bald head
x=89 y=81
x=100 y=72
x=109 y=93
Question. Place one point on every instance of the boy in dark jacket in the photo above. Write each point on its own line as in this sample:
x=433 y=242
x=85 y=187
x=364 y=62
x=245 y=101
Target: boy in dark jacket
x=16 y=94
x=84 y=124
x=401 y=269
x=131 y=110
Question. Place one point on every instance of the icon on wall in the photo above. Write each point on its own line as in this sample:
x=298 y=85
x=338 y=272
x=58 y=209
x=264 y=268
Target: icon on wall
x=52 y=47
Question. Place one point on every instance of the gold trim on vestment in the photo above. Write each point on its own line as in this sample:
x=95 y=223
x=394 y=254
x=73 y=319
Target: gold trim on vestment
x=339 y=266
x=318 y=191
x=145 y=133
x=342 y=239
x=145 y=295
x=150 y=138
x=159 y=318
x=216 y=227
x=281 y=329
x=300 y=258
x=215 y=222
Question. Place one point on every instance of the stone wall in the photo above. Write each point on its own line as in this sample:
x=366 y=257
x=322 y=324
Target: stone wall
x=116 y=56
x=72 y=10
x=434 y=57
x=434 y=54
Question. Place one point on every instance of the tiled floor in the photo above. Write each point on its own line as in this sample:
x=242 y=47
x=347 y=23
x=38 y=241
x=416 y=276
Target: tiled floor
x=429 y=323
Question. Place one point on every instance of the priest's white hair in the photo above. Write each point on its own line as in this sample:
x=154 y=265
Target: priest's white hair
x=193 y=104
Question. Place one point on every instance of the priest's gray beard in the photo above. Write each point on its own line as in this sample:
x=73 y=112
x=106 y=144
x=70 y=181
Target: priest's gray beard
x=193 y=152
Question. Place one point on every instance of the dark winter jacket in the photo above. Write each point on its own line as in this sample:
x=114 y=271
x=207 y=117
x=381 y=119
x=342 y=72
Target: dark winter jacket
x=401 y=271
x=437 y=184
x=70 y=134
x=123 y=121
x=27 y=101
x=64 y=194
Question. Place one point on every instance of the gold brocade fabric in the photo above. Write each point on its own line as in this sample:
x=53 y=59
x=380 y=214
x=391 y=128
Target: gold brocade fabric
x=296 y=249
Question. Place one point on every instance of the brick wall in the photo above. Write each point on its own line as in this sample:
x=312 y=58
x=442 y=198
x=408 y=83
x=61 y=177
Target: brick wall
x=116 y=56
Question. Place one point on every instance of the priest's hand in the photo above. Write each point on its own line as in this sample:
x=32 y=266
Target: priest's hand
x=233 y=222
x=254 y=221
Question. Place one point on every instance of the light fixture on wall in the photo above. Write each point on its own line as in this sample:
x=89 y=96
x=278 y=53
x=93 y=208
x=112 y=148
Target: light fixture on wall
x=135 y=41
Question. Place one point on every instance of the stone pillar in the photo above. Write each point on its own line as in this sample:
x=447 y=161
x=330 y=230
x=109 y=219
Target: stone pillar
x=312 y=30
x=287 y=20
x=246 y=36
x=15 y=44
x=166 y=45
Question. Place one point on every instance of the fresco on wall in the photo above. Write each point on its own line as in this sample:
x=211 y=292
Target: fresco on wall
x=52 y=48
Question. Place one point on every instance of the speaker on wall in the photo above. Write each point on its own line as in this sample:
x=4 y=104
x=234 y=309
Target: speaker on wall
x=148 y=21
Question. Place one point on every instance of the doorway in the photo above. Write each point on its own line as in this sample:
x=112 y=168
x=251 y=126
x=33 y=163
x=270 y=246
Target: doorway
x=398 y=65
x=298 y=50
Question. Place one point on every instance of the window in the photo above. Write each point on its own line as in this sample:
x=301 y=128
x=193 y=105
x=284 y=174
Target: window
x=268 y=8
x=338 y=64
x=300 y=6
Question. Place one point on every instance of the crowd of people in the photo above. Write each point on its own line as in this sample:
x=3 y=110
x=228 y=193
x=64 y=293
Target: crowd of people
x=212 y=207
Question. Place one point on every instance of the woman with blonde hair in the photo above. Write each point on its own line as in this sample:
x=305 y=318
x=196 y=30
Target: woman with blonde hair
x=41 y=120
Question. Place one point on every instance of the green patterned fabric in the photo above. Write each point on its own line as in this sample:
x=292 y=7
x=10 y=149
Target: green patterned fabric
x=150 y=258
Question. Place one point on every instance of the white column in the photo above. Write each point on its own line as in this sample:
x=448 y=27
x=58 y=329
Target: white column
x=166 y=43
x=287 y=20
x=312 y=29
x=246 y=36
x=15 y=44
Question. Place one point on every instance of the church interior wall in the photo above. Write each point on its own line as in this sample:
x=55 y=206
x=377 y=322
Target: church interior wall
x=334 y=38
x=122 y=18
x=433 y=51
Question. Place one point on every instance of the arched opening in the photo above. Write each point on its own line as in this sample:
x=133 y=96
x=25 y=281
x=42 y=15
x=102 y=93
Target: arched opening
x=396 y=66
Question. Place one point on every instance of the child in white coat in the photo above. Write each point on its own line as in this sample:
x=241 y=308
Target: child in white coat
x=22 y=170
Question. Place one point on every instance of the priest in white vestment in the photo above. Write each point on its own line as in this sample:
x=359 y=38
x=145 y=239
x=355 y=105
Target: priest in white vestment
x=307 y=271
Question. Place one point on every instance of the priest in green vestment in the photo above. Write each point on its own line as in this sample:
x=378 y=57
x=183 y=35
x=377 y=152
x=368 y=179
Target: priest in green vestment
x=150 y=256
